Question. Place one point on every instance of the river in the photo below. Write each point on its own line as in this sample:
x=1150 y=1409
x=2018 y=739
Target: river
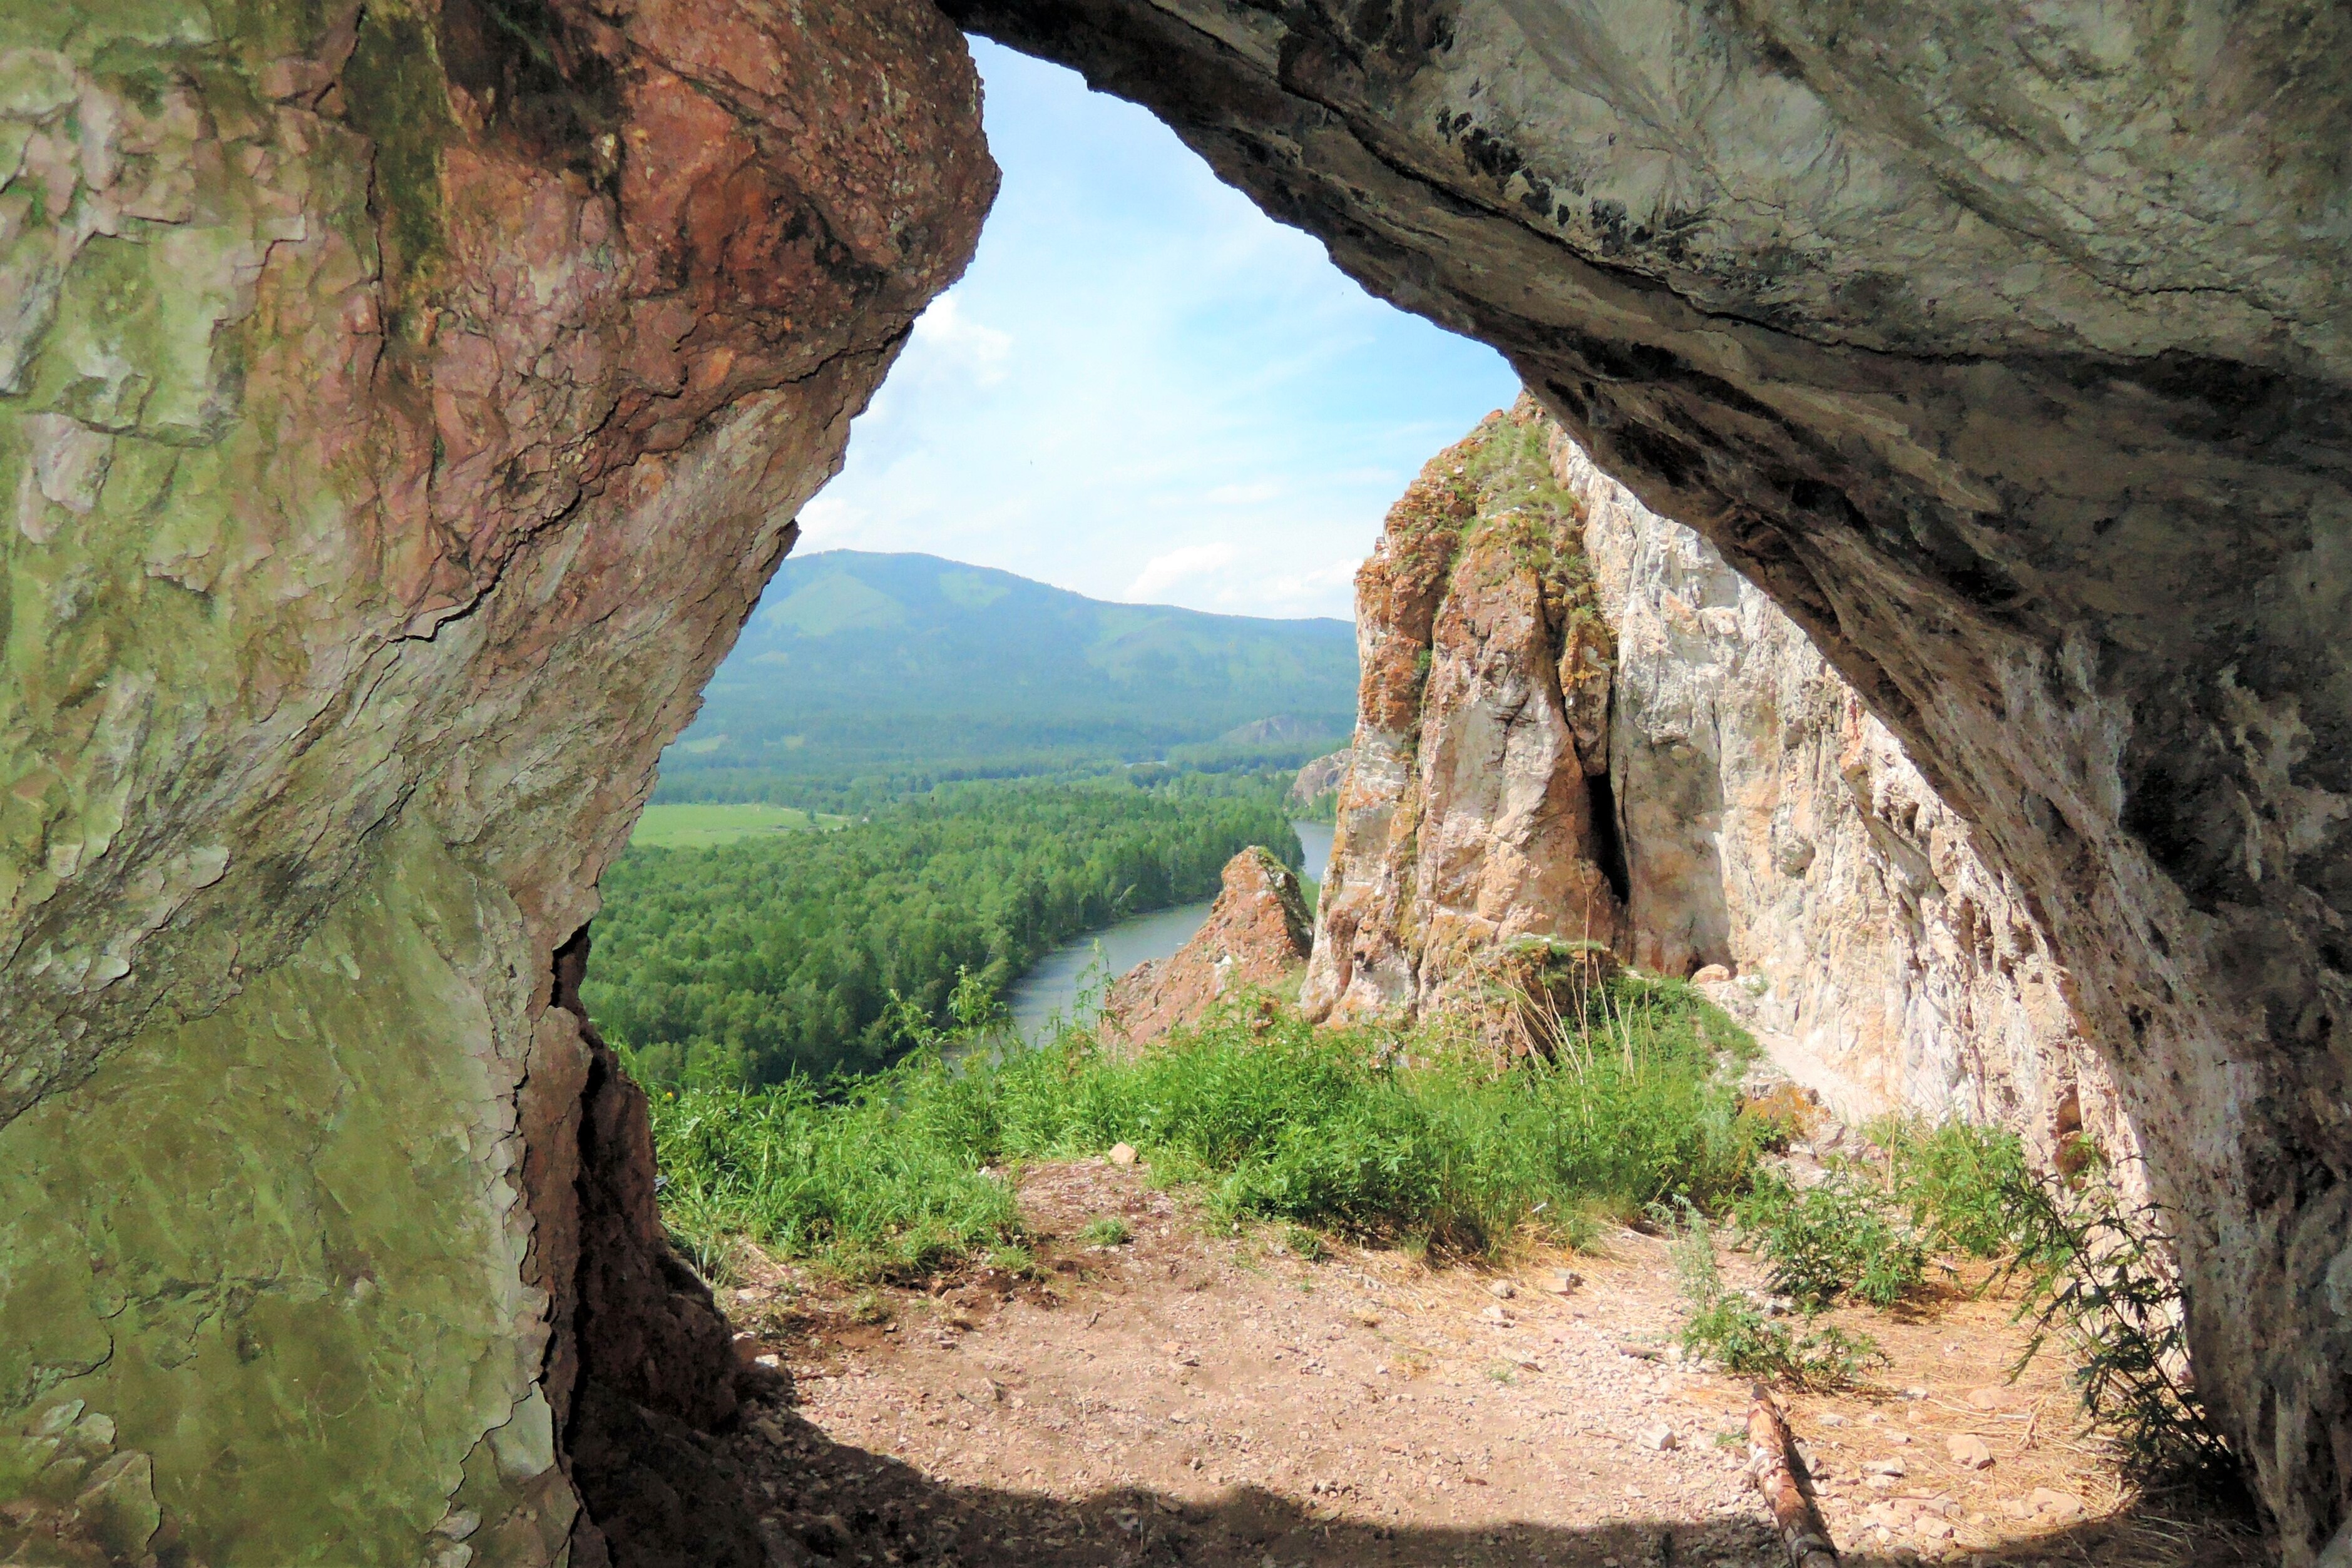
x=1052 y=988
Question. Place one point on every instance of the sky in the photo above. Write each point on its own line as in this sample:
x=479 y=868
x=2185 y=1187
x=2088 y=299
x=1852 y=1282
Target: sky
x=1144 y=389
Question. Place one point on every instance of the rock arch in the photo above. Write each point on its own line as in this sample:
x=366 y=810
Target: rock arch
x=398 y=416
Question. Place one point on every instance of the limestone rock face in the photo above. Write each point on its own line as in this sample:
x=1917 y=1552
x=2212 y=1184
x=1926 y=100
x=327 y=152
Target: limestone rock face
x=1321 y=776
x=1773 y=829
x=1764 y=835
x=1257 y=933
x=2010 y=352
x=401 y=406
x=1467 y=814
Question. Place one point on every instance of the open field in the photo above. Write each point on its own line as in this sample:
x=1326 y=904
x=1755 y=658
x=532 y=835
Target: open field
x=697 y=825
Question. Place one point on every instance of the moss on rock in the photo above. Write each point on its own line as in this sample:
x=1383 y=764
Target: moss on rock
x=274 y=1246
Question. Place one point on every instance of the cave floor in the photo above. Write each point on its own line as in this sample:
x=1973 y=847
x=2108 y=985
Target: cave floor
x=1209 y=1398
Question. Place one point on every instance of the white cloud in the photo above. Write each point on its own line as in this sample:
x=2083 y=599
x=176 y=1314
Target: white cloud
x=1324 y=591
x=950 y=337
x=1162 y=573
x=1143 y=387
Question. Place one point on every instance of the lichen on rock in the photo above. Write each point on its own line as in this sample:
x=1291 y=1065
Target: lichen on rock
x=398 y=416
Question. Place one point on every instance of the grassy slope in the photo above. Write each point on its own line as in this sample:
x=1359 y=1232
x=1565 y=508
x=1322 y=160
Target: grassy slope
x=700 y=824
x=1365 y=1132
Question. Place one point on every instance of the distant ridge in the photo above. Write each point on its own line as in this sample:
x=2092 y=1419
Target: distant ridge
x=860 y=665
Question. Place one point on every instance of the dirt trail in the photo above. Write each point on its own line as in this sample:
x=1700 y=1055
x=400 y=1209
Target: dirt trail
x=1203 y=1399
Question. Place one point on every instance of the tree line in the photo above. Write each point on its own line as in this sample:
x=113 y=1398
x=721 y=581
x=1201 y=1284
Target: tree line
x=778 y=957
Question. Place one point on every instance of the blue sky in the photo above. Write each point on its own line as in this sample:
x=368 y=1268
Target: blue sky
x=1144 y=389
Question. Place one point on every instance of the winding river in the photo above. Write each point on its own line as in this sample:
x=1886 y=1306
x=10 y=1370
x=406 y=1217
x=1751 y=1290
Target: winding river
x=1087 y=966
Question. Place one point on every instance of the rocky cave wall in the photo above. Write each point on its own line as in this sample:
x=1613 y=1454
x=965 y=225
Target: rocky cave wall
x=2006 y=348
x=401 y=406
x=1726 y=799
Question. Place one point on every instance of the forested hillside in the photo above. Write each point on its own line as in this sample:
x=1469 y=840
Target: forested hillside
x=778 y=954
x=901 y=671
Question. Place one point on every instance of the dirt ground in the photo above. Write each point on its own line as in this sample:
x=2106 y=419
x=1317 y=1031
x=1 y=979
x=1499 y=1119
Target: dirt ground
x=1201 y=1398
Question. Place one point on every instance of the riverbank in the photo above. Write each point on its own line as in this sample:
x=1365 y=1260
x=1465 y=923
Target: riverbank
x=1067 y=981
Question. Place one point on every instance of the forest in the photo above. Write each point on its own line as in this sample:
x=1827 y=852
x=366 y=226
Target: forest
x=812 y=953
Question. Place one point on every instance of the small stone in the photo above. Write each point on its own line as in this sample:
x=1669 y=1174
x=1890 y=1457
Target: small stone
x=827 y=1535
x=1882 y=1468
x=120 y=1498
x=1710 y=975
x=1967 y=1448
x=1122 y=1153
x=1660 y=1439
x=1830 y=1418
x=1502 y=1289
x=2065 y=1504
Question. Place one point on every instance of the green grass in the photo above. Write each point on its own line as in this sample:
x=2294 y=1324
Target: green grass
x=1865 y=1229
x=1407 y=1139
x=1365 y=1133
x=698 y=826
x=1110 y=1230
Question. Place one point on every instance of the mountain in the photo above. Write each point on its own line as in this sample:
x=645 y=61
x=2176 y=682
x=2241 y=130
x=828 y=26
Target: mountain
x=861 y=666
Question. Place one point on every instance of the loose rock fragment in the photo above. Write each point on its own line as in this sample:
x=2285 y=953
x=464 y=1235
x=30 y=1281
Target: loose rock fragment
x=1967 y=1448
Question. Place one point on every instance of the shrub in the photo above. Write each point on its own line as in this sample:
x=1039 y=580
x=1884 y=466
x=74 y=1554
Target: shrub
x=1728 y=1329
x=1960 y=1183
x=2099 y=1276
x=1835 y=1238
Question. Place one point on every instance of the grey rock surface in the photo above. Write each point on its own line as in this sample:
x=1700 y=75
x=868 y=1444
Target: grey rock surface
x=2005 y=347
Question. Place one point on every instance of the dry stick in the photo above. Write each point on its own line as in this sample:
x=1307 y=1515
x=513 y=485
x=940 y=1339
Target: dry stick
x=1770 y=1461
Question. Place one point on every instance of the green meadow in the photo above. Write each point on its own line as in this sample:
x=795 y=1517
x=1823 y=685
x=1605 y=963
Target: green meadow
x=699 y=825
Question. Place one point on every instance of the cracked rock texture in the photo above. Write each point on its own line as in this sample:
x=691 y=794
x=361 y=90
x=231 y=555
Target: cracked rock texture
x=1730 y=805
x=1475 y=807
x=400 y=409
x=1773 y=827
x=2008 y=348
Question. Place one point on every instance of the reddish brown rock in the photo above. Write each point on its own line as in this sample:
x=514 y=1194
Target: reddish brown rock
x=1257 y=935
x=401 y=407
x=1660 y=724
x=1469 y=816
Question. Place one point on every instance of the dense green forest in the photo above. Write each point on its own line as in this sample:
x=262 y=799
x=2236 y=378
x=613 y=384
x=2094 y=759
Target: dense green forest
x=779 y=955
x=864 y=677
